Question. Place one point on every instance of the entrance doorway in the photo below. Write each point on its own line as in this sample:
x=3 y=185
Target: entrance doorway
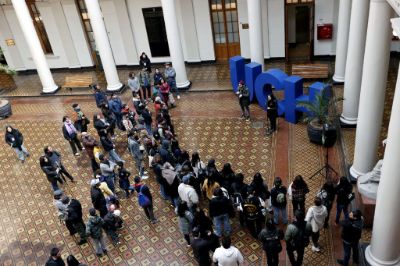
x=299 y=30
x=224 y=18
x=156 y=33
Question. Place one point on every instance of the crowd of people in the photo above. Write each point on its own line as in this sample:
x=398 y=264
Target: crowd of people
x=205 y=199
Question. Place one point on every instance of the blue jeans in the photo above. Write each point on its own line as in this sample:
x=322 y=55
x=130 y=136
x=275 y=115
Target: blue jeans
x=347 y=247
x=149 y=129
x=278 y=210
x=110 y=182
x=339 y=209
x=222 y=220
x=139 y=166
x=114 y=156
x=172 y=84
x=21 y=153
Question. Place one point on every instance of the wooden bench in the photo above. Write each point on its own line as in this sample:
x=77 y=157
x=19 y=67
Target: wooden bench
x=77 y=82
x=311 y=71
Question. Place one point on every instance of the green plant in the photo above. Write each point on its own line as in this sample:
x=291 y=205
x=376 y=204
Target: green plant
x=4 y=68
x=322 y=110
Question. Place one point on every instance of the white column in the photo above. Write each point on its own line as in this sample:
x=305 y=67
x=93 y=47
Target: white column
x=354 y=61
x=174 y=43
x=373 y=86
x=255 y=31
x=342 y=40
x=385 y=248
x=35 y=48
x=103 y=45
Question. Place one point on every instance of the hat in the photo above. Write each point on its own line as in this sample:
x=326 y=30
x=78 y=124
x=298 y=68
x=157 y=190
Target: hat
x=158 y=99
x=117 y=213
x=141 y=148
x=94 y=182
x=185 y=179
x=58 y=192
x=92 y=211
x=137 y=179
x=65 y=200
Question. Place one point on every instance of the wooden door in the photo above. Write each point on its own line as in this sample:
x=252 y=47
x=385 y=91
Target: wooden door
x=224 y=19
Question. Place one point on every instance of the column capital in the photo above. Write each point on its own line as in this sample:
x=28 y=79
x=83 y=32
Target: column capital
x=396 y=25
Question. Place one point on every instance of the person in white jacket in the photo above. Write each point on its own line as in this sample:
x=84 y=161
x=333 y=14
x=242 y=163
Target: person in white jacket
x=316 y=217
x=227 y=255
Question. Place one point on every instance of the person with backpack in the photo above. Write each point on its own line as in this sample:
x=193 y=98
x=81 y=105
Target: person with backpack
x=260 y=187
x=278 y=200
x=209 y=186
x=271 y=238
x=316 y=217
x=74 y=217
x=351 y=235
x=145 y=199
x=327 y=195
x=170 y=183
x=201 y=248
x=220 y=210
x=185 y=218
x=297 y=238
x=111 y=226
x=342 y=190
x=297 y=193
x=253 y=207
x=94 y=229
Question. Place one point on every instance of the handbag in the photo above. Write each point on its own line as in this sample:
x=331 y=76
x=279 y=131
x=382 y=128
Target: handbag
x=143 y=200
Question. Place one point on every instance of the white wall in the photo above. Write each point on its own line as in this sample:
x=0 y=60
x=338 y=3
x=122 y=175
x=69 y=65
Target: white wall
x=203 y=28
x=326 y=11
x=265 y=28
x=276 y=22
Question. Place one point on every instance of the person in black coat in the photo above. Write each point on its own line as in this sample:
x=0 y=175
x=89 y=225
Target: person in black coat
x=55 y=159
x=272 y=112
x=55 y=258
x=144 y=62
x=110 y=225
x=260 y=187
x=342 y=190
x=109 y=147
x=271 y=239
x=100 y=125
x=70 y=133
x=327 y=194
x=220 y=209
x=124 y=183
x=75 y=217
x=351 y=235
x=253 y=212
x=278 y=200
x=14 y=138
x=51 y=172
x=201 y=248
x=97 y=197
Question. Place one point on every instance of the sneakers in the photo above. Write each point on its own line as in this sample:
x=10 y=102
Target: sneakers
x=315 y=249
x=154 y=221
x=77 y=154
x=178 y=97
x=83 y=148
x=144 y=177
x=341 y=262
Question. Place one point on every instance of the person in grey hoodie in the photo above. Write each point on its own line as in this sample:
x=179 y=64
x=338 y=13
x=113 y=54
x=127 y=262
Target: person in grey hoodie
x=227 y=255
x=316 y=217
x=134 y=84
x=94 y=229
x=137 y=152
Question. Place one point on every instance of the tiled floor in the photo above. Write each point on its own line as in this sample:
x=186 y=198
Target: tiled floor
x=207 y=122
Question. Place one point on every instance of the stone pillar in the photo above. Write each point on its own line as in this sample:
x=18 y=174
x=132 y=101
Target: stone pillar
x=35 y=48
x=373 y=86
x=174 y=43
x=342 y=40
x=385 y=248
x=255 y=32
x=354 y=61
x=103 y=45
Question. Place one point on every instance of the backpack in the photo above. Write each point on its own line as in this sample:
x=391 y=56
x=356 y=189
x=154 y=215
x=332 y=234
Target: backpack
x=281 y=198
x=271 y=241
x=250 y=210
x=323 y=195
x=143 y=200
x=302 y=238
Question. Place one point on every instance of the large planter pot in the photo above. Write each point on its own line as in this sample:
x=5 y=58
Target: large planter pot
x=5 y=109
x=315 y=132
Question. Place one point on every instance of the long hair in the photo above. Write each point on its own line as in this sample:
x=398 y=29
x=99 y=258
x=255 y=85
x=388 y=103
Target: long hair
x=182 y=208
x=299 y=183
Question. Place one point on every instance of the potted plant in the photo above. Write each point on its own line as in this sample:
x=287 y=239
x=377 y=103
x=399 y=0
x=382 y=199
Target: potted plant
x=321 y=116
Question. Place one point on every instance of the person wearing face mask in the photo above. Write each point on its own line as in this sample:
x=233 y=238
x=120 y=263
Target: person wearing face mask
x=71 y=134
x=144 y=61
x=15 y=139
x=272 y=113
x=81 y=122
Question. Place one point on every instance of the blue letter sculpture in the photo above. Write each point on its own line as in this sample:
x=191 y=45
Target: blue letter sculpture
x=261 y=85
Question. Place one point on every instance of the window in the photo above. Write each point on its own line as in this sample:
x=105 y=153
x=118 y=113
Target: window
x=225 y=21
x=39 y=26
x=86 y=23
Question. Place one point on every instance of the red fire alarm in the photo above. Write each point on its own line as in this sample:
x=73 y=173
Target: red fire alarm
x=324 y=31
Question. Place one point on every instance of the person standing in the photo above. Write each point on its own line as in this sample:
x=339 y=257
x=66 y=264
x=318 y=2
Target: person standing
x=115 y=105
x=227 y=255
x=145 y=62
x=97 y=197
x=297 y=238
x=351 y=235
x=342 y=190
x=316 y=217
x=100 y=96
x=89 y=143
x=55 y=258
x=134 y=84
x=110 y=225
x=107 y=171
x=253 y=207
x=55 y=159
x=271 y=238
x=143 y=190
x=297 y=192
x=81 y=122
x=220 y=209
x=272 y=112
x=74 y=210
x=15 y=139
x=51 y=172
x=185 y=218
x=148 y=121
x=244 y=100
x=201 y=248
x=170 y=75
x=71 y=134
x=137 y=154
x=124 y=175
x=94 y=229
x=187 y=193
x=278 y=200
x=327 y=195
x=144 y=79
x=62 y=211
x=109 y=146
x=158 y=76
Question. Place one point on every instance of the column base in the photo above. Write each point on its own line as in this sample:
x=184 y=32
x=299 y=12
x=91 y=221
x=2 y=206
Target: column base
x=347 y=121
x=50 y=91
x=372 y=261
x=119 y=88
x=354 y=173
x=338 y=79
x=184 y=85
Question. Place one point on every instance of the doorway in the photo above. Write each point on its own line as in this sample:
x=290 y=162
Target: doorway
x=156 y=33
x=299 y=29
x=224 y=18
